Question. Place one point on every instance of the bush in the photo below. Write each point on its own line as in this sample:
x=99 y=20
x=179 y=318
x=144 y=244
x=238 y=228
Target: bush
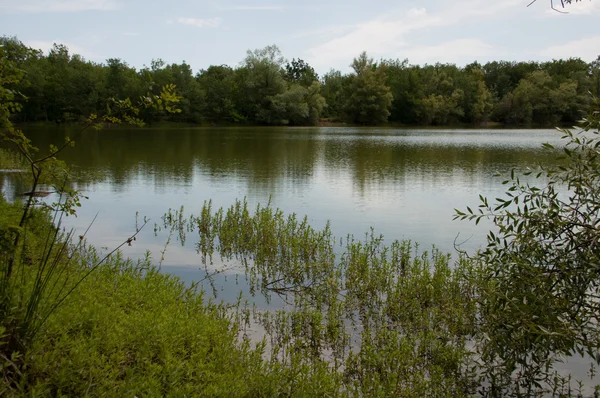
x=540 y=300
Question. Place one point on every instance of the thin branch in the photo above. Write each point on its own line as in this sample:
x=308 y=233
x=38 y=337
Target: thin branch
x=65 y=145
x=92 y=269
x=562 y=2
x=12 y=364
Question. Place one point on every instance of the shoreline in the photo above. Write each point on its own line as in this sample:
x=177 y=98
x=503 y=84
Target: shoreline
x=321 y=123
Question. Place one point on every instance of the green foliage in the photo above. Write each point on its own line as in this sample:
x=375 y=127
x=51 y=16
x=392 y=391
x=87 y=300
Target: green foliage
x=218 y=85
x=10 y=160
x=386 y=319
x=368 y=98
x=11 y=54
x=333 y=88
x=541 y=299
x=297 y=106
x=267 y=95
x=36 y=259
x=539 y=99
x=299 y=71
x=64 y=87
x=129 y=330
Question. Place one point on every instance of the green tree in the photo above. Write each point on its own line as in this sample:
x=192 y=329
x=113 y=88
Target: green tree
x=297 y=106
x=501 y=77
x=299 y=71
x=595 y=72
x=479 y=105
x=442 y=100
x=193 y=97
x=218 y=84
x=441 y=110
x=122 y=81
x=540 y=99
x=262 y=80
x=332 y=89
x=368 y=97
x=407 y=88
x=539 y=300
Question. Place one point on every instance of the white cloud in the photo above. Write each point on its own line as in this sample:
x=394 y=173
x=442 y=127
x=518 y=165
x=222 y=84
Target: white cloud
x=395 y=33
x=200 y=23
x=587 y=48
x=36 y=6
x=377 y=36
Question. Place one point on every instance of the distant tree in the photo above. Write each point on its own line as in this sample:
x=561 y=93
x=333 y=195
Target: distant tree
x=298 y=71
x=298 y=105
x=478 y=103
x=441 y=110
x=262 y=81
x=160 y=74
x=501 y=77
x=540 y=99
x=368 y=97
x=443 y=100
x=332 y=89
x=595 y=75
x=217 y=82
x=61 y=86
x=407 y=88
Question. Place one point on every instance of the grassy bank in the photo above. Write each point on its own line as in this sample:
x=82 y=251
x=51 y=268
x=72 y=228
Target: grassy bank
x=128 y=330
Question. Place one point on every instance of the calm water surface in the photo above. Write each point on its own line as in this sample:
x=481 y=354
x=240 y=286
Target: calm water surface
x=404 y=183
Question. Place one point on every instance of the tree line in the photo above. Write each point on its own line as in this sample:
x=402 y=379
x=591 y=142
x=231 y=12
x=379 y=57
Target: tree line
x=266 y=89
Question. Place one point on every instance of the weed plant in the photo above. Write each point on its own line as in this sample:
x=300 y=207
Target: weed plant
x=388 y=319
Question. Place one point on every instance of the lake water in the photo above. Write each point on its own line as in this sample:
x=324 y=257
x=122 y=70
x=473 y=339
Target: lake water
x=405 y=183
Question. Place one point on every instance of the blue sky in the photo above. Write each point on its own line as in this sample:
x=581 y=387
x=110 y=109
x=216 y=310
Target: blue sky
x=326 y=33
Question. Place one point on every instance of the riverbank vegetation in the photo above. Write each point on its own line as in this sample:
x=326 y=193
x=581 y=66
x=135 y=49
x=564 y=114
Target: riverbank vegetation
x=266 y=89
x=360 y=316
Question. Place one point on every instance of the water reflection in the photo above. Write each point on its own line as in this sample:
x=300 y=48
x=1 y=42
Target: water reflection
x=405 y=183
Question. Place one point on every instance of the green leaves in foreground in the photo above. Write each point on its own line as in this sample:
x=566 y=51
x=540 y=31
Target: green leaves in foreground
x=543 y=264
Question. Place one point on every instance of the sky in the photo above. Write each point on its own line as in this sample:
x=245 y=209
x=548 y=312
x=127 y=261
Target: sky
x=327 y=34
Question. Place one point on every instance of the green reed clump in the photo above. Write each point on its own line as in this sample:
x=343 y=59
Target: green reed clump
x=11 y=160
x=385 y=318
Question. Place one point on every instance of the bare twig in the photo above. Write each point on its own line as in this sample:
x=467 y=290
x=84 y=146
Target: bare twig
x=562 y=3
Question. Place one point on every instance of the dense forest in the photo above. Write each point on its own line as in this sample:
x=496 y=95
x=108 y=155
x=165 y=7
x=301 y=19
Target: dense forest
x=266 y=89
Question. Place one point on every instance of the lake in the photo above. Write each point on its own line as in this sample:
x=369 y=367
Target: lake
x=405 y=183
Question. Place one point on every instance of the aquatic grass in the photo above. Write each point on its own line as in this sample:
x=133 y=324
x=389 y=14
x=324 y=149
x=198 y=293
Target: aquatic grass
x=11 y=160
x=386 y=318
